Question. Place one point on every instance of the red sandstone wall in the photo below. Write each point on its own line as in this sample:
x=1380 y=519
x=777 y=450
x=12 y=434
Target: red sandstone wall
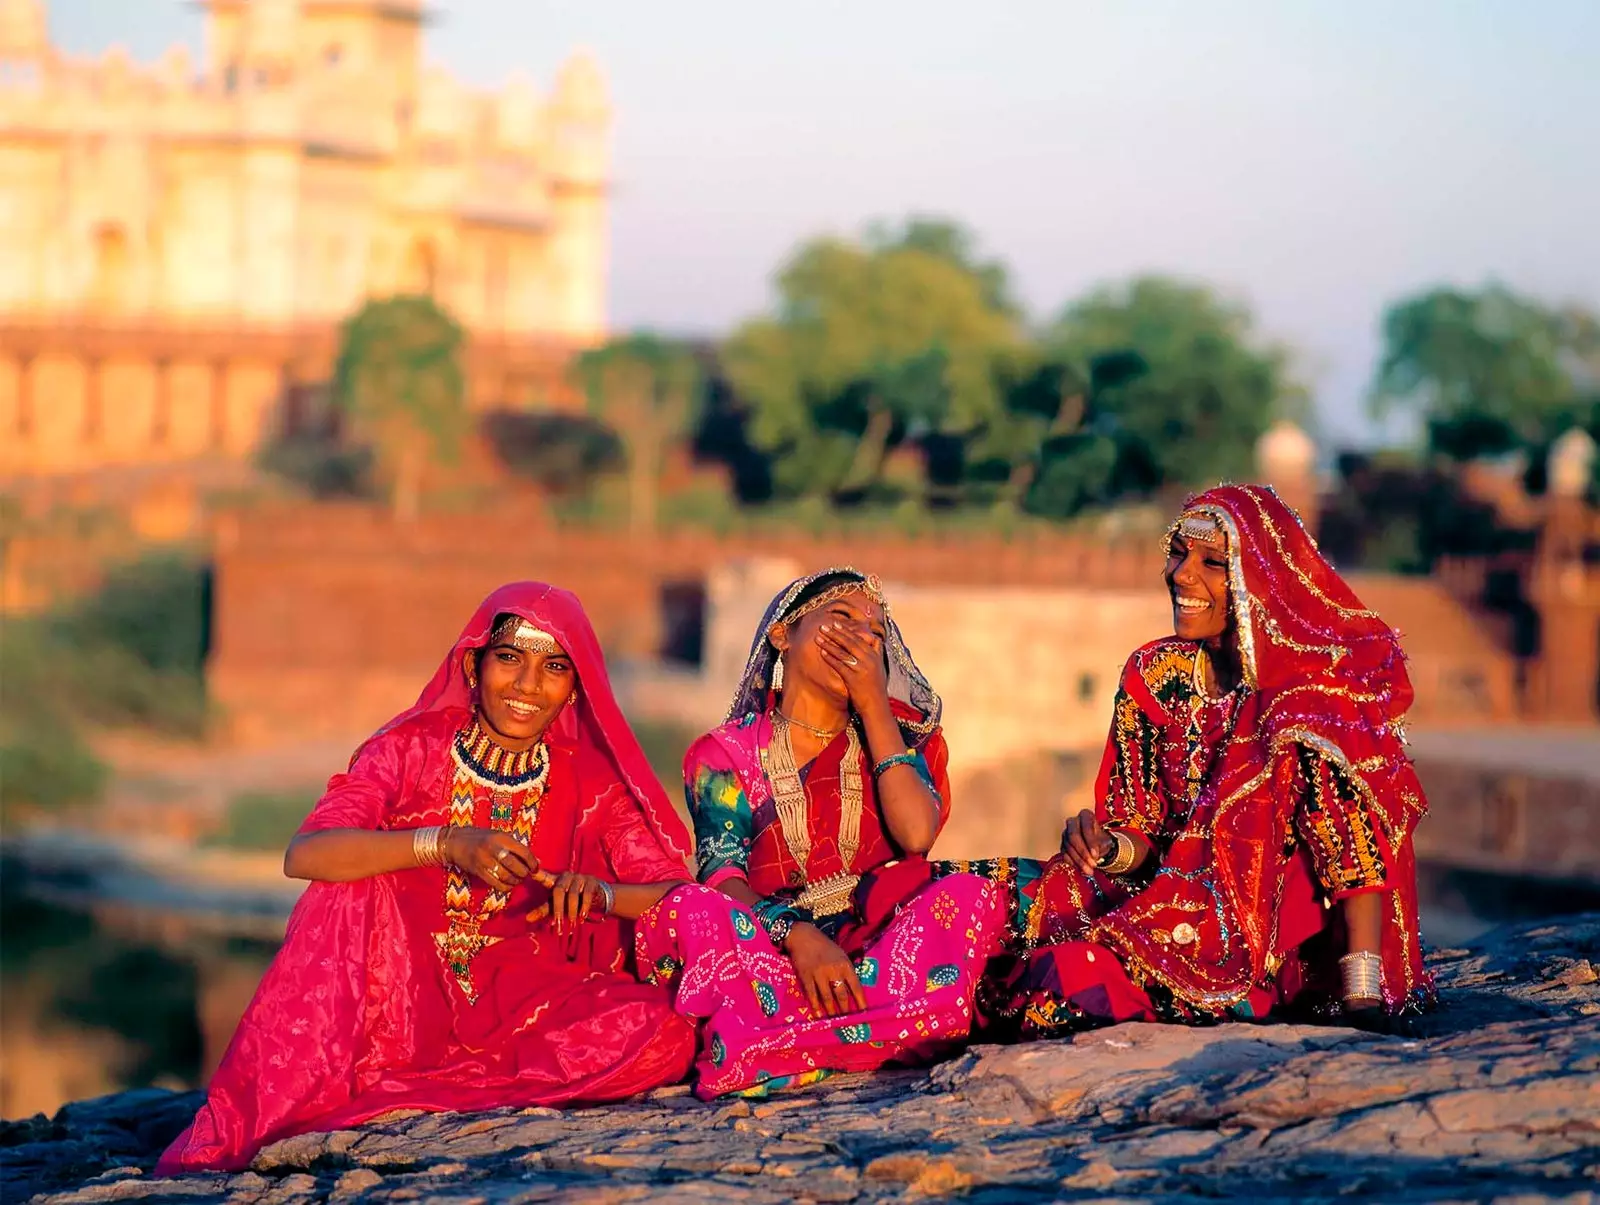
x=328 y=619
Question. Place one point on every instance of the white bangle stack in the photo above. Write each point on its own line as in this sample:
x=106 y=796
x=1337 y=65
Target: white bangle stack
x=1362 y=975
x=427 y=845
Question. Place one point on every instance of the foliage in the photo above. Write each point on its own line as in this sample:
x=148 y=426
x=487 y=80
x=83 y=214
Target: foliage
x=871 y=345
x=256 y=821
x=645 y=388
x=951 y=242
x=129 y=655
x=1488 y=372
x=1175 y=389
x=323 y=467
x=1394 y=514
x=399 y=378
x=563 y=453
x=154 y=608
x=45 y=762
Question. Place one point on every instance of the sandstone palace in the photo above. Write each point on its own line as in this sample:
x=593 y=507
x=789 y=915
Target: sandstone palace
x=178 y=244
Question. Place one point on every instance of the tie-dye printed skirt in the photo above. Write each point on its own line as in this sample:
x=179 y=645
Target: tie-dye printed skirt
x=918 y=974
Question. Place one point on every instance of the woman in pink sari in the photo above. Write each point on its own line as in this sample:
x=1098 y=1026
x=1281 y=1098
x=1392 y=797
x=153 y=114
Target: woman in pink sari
x=821 y=940
x=463 y=943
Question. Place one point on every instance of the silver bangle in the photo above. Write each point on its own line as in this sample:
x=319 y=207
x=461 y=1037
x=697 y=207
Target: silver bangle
x=424 y=841
x=610 y=895
x=1361 y=974
x=427 y=845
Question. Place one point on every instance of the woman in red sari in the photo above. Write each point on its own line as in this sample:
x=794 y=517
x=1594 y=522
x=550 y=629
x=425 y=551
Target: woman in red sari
x=463 y=942
x=818 y=942
x=1251 y=844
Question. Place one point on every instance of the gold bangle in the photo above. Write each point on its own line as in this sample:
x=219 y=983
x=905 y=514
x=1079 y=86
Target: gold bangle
x=1124 y=853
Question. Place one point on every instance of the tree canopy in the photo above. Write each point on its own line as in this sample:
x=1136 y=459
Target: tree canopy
x=1488 y=372
x=871 y=343
x=909 y=338
x=1178 y=388
x=646 y=389
x=399 y=378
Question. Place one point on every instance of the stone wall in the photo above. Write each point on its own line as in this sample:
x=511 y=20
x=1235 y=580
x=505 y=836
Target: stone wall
x=328 y=618
x=1512 y=819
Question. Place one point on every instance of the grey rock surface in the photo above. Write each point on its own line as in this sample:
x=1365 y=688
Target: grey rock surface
x=1501 y=1101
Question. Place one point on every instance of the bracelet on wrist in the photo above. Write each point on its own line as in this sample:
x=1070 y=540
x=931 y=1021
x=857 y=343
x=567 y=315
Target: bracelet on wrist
x=427 y=845
x=778 y=916
x=608 y=897
x=1119 y=859
x=907 y=758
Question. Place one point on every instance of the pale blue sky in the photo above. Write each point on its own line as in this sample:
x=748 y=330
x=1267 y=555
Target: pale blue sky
x=1316 y=159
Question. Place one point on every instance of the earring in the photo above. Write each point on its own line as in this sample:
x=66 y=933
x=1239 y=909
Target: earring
x=472 y=679
x=777 y=674
x=573 y=697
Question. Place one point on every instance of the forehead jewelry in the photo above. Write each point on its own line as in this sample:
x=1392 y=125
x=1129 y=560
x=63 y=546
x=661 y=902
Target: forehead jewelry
x=1200 y=529
x=520 y=634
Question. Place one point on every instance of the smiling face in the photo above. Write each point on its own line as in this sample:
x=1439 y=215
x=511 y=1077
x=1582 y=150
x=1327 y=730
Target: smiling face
x=1197 y=579
x=522 y=686
x=803 y=661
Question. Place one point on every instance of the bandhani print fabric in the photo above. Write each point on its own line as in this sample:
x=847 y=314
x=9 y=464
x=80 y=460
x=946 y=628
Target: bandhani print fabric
x=920 y=934
x=760 y=1034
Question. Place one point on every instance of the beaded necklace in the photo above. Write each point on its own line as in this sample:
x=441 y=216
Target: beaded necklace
x=516 y=782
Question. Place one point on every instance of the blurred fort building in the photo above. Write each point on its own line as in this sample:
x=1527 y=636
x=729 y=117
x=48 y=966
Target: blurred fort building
x=179 y=246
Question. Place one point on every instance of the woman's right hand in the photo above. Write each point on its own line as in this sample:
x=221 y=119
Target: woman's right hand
x=497 y=858
x=1085 y=841
x=825 y=971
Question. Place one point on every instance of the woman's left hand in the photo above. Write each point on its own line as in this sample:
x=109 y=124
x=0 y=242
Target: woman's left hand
x=574 y=898
x=858 y=659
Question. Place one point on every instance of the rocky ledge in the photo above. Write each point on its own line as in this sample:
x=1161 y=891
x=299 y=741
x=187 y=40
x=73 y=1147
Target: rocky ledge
x=1500 y=1101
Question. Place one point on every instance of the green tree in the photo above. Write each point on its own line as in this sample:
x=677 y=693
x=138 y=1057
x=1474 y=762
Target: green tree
x=871 y=343
x=954 y=244
x=1065 y=459
x=645 y=388
x=1171 y=386
x=399 y=378
x=1487 y=372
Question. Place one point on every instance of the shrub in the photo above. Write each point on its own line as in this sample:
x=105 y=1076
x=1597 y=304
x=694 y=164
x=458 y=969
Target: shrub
x=256 y=821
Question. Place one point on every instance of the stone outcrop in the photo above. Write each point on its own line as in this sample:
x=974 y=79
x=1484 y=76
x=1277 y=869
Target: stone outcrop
x=1499 y=1100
